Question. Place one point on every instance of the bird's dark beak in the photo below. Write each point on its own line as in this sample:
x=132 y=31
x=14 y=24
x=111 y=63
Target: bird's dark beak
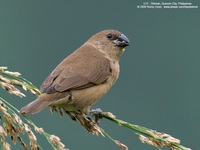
x=122 y=41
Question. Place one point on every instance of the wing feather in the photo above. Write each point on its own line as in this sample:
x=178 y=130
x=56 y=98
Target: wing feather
x=77 y=72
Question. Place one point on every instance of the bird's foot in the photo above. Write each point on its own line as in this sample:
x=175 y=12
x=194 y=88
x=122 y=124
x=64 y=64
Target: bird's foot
x=96 y=113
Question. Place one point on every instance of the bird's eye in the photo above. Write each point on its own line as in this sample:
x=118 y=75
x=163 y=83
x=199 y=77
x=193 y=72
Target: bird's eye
x=109 y=36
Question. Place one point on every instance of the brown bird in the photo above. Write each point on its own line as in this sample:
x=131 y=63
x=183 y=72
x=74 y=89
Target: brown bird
x=83 y=77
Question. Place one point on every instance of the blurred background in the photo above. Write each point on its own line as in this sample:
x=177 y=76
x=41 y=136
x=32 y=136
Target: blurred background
x=159 y=83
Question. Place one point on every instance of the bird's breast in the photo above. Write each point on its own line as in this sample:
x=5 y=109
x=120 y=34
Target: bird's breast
x=89 y=96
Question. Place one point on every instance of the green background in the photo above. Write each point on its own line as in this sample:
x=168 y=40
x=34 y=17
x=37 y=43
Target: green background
x=159 y=83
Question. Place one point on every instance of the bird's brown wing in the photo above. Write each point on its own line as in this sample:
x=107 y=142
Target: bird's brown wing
x=84 y=68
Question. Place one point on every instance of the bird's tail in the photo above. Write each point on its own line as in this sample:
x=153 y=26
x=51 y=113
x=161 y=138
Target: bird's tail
x=35 y=106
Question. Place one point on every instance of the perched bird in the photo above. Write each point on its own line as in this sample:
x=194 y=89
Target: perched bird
x=83 y=77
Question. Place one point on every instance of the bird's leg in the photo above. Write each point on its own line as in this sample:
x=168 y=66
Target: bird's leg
x=96 y=113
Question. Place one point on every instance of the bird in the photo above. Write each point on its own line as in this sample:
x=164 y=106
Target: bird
x=83 y=77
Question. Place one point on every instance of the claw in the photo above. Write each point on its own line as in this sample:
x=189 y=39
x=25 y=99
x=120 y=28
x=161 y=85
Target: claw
x=96 y=113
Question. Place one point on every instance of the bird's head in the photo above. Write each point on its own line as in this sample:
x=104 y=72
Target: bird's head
x=110 y=42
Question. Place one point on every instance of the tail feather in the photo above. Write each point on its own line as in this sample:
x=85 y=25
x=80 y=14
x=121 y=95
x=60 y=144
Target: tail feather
x=43 y=101
x=35 y=106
